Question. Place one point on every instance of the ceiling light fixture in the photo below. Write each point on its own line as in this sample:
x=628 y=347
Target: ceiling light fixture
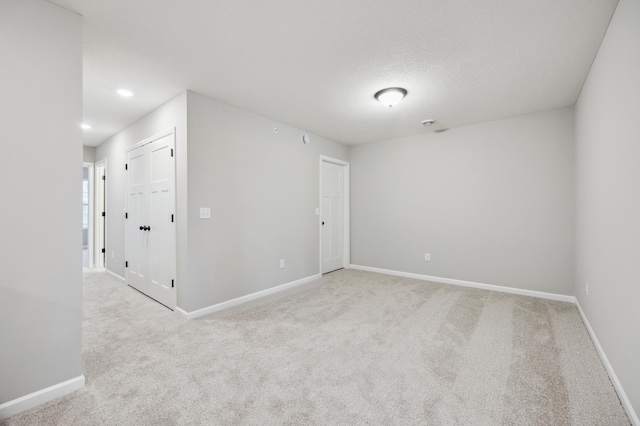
x=124 y=93
x=85 y=126
x=428 y=123
x=390 y=96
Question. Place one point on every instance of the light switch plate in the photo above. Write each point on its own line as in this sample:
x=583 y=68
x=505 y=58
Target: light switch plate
x=205 y=213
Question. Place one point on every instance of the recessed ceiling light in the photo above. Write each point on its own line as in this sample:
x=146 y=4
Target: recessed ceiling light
x=428 y=123
x=125 y=93
x=390 y=96
x=85 y=126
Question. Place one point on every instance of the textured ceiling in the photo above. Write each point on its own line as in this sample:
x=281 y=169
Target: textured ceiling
x=316 y=64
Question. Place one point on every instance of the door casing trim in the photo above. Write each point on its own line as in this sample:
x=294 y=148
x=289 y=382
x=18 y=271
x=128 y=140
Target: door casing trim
x=100 y=194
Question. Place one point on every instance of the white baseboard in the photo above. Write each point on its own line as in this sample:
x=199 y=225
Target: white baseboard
x=116 y=276
x=532 y=293
x=40 y=397
x=244 y=299
x=607 y=365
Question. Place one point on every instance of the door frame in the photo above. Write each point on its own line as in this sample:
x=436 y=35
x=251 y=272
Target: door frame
x=346 y=225
x=90 y=229
x=100 y=225
x=169 y=132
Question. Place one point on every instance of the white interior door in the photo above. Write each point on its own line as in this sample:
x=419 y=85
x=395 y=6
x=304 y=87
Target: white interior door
x=150 y=223
x=332 y=217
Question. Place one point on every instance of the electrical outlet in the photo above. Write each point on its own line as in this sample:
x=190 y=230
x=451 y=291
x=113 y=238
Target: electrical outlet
x=586 y=287
x=427 y=257
x=281 y=263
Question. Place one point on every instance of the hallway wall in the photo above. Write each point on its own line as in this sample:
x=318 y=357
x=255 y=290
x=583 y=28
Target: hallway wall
x=41 y=284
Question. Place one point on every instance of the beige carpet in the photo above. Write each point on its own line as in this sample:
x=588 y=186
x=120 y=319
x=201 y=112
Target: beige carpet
x=352 y=348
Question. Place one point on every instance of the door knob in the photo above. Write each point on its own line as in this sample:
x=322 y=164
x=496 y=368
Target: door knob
x=322 y=223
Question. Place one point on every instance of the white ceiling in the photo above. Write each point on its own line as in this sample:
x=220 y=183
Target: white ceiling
x=316 y=64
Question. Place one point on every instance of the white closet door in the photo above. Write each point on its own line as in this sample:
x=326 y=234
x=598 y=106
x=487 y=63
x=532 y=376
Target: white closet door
x=150 y=229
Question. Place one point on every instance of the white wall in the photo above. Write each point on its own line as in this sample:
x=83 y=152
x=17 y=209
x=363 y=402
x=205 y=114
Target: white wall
x=608 y=196
x=263 y=189
x=89 y=154
x=40 y=277
x=114 y=150
x=492 y=203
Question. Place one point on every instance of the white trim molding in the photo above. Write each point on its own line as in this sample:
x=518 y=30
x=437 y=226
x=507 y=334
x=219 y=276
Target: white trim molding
x=34 y=399
x=624 y=399
x=116 y=276
x=244 y=299
x=100 y=205
x=167 y=132
x=502 y=289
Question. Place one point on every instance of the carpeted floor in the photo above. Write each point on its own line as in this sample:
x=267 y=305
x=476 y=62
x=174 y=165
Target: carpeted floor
x=352 y=348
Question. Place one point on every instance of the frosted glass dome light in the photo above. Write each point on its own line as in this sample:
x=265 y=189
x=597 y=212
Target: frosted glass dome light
x=391 y=96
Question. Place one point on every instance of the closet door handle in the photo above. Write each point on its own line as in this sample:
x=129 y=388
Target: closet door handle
x=148 y=228
x=142 y=228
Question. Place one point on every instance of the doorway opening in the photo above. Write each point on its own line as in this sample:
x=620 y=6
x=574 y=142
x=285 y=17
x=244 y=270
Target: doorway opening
x=334 y=220
x=87 y=215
